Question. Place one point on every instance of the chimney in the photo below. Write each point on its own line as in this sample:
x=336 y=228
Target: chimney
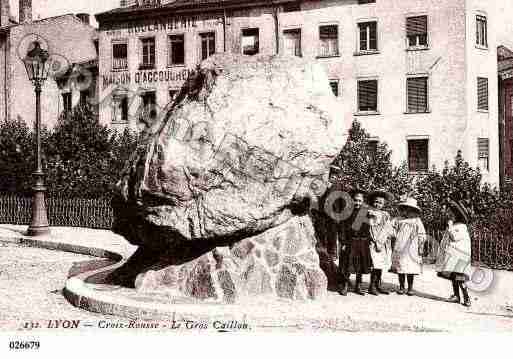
x=5 y=13
x=25 y=11
x=84 y=17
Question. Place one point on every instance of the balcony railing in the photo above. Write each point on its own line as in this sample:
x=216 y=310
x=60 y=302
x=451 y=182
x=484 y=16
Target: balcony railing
x=146 y=66
x=120 y=64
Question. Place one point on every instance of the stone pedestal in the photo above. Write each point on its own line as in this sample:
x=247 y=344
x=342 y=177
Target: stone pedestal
x=280 y=262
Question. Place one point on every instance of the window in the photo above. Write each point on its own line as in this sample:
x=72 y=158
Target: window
x=416 y=31
x=66 y=101
x=417 y=94
x=292 y=42
x=176 y=50
x=208 y=44
x=84 y=96
x=148 y=53
x=368 y=95
x=334 y=87
x=250 y=41
x=482 y=94
x=481 y=31
x=418 y=155
x=173 y=94
x=120 y=110
x=328 y=36
x=149 y=108
x=483 y=153
x=368 y=36
x=124 y=109
x=372 y=148
x=119 y=56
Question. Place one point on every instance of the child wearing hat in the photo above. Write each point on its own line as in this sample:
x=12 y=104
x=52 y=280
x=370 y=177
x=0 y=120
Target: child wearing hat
x=410 y=237
x=381 y=231
x=454 y=254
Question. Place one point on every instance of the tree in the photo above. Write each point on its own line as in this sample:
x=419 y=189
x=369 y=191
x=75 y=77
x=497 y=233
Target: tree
x=83 y=157
x=16 y=157
x=358 y=166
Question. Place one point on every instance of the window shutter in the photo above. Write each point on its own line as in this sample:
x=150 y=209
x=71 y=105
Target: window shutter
x=368 y=95
x=483 y=153
x=416 y=25
x=328 y=32
x=483 y=147
x=482 y=93
x=417 y=88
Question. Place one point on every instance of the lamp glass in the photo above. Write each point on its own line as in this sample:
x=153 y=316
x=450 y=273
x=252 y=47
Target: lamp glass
x=36 y=63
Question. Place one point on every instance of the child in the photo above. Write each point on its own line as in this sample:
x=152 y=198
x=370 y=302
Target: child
x=454 y=253
x=354 y=237
x=410 y=236
x=380 y=247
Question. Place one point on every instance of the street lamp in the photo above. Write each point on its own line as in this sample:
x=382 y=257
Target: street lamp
x=37 y=66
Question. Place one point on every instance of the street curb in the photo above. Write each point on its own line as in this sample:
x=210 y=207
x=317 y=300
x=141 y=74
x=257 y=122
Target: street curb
x=78 y=294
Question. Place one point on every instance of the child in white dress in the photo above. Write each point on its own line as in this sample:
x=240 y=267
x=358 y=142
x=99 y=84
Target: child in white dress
x=454 y=254
x=410 y=237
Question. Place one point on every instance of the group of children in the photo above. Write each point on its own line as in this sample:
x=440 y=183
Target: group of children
x=382 y=243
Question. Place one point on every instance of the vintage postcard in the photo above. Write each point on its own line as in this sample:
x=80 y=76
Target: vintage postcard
x=249 y=167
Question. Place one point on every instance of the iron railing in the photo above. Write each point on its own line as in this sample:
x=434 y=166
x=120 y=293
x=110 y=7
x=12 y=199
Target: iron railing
x=491 y=248
x=62 y=212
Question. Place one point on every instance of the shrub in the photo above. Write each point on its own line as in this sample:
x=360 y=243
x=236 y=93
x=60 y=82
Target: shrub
x=459 y=182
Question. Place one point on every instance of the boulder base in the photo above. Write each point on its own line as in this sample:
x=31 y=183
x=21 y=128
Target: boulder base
x=280 y=262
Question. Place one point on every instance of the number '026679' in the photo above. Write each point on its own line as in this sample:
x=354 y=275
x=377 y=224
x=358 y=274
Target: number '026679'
x=24 y=345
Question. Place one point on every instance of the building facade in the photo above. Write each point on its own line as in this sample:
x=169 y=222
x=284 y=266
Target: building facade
x=70 y=41
x=419 y=74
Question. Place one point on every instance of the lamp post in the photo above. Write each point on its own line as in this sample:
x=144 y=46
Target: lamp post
x=37 y=66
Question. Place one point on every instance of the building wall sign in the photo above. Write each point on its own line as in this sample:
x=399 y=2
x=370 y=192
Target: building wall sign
x=144 y=77
x=163 y=24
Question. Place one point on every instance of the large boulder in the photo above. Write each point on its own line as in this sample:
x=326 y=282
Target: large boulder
x=241 y=151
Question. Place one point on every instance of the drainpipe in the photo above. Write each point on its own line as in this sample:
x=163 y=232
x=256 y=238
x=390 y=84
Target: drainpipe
x=276 y=28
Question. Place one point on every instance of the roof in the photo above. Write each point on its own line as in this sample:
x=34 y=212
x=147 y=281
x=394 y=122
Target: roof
x=67 y=37
x=186 y=5
x=46 y=19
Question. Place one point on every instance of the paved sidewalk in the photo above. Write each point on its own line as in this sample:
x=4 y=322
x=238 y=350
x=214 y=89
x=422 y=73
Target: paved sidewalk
x=491 y=310
x=95 y=242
